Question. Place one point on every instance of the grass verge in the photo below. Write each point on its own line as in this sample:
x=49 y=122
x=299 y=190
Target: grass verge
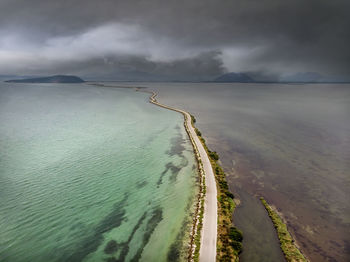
x=229 y=241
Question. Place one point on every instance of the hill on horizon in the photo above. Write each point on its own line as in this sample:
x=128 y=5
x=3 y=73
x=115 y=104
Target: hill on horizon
x=234 y=77
x=50 y=79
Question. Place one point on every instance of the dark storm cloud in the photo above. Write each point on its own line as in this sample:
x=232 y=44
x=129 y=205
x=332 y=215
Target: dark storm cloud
x=179 y=38
x=202 y=67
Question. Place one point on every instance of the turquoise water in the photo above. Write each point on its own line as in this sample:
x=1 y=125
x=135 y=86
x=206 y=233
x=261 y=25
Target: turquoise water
x=92 y=174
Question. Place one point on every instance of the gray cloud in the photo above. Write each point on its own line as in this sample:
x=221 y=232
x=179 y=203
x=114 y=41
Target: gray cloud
x=174 y=39
x=203 y=67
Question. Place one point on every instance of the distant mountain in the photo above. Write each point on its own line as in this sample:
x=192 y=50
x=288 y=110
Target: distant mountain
x=6 y=77
x=50 y=79
x=259 y=77
x=303 y=77
x=234 y=77
x=313 y=77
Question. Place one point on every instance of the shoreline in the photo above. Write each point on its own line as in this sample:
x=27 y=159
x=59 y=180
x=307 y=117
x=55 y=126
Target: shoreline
x=208 y=228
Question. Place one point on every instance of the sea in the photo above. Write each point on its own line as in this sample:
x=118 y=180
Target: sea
x=92 y=173
x=289 y=143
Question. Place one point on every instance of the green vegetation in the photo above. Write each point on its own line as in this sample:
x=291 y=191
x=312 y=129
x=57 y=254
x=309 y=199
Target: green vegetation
x=290 y=250
x=198 y=132
x=213 y=155
x=229 y=237
x=193 y=120
x=235 y=234
x=229 y=242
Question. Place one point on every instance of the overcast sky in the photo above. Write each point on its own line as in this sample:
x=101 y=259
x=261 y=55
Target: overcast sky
x=193 y=39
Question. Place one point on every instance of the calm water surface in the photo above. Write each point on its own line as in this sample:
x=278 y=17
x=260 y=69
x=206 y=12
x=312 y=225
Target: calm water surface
x=288 y=143
x=92 y=174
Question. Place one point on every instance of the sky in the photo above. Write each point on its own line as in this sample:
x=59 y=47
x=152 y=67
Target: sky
x=174 y=40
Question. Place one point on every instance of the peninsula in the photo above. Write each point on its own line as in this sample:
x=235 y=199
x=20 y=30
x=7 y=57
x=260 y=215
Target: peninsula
x=214 y=236
x=210 y=216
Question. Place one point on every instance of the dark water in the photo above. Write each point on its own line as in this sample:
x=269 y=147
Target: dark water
x=288 y=143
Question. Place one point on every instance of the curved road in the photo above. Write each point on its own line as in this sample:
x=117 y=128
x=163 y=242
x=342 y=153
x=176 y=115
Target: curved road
x=209 y=230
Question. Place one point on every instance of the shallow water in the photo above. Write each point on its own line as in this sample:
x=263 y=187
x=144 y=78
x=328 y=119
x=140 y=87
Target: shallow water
x=263 y=248
x=92 y=174
x=288 y=143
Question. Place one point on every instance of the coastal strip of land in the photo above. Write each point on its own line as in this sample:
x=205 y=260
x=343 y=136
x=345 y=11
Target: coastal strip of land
x=208 y=241
x=288 y=245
